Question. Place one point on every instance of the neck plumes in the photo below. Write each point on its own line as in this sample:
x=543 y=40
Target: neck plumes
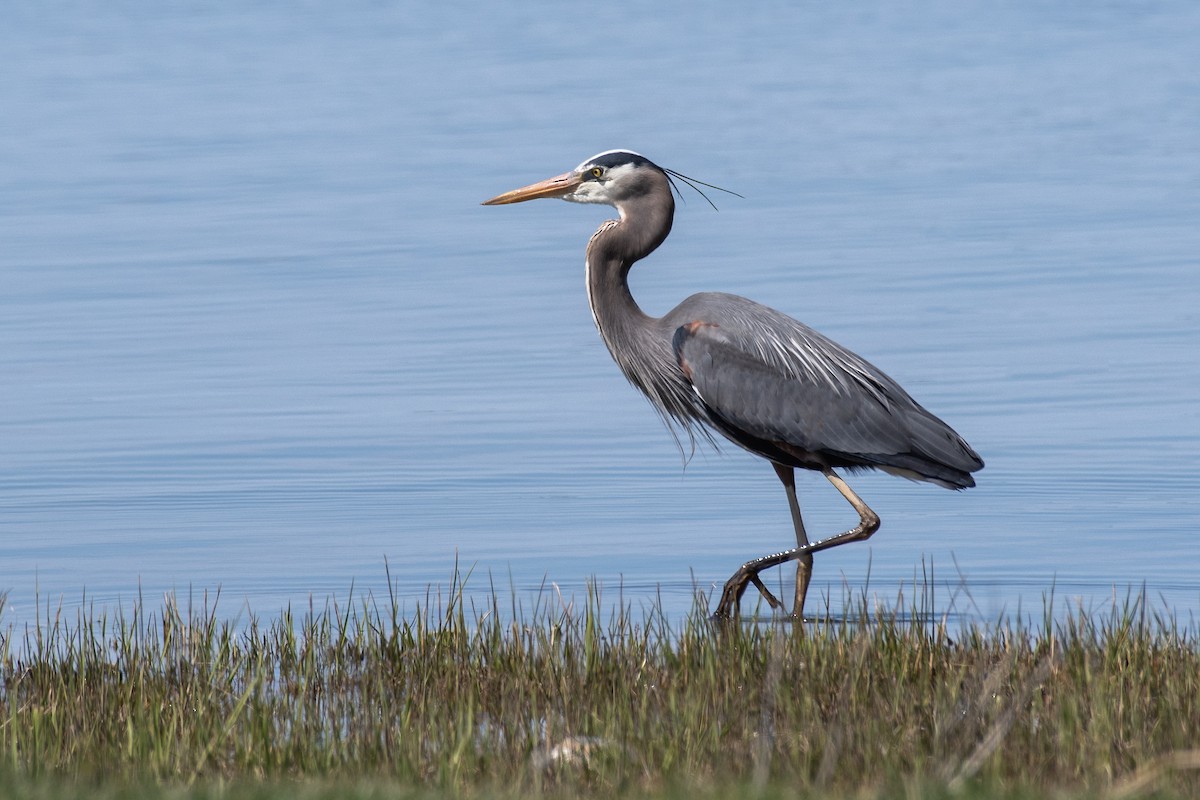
x=637 y=341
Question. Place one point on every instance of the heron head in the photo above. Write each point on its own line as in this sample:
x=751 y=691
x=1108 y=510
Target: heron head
x=607 y=178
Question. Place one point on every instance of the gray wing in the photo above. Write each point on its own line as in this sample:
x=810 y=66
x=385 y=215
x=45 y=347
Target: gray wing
x=780 y=388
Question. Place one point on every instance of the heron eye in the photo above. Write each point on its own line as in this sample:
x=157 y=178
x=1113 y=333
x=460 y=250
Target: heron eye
x=597 y=172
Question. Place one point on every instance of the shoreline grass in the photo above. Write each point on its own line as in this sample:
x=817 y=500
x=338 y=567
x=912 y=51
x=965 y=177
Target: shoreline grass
x=365 y=701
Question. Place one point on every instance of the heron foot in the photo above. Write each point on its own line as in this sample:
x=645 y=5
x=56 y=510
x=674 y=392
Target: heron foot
x=731 y=595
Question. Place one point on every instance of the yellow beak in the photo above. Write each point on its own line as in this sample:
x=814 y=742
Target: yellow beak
x=557 y=186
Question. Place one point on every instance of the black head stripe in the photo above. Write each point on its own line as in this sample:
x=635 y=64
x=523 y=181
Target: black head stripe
x=619 y=157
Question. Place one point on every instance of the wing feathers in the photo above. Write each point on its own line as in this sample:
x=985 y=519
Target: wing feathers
x=772 y=382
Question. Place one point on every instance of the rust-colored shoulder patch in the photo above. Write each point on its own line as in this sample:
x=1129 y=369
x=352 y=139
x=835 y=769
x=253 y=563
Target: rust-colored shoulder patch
x=697 y=324
x=690 y=329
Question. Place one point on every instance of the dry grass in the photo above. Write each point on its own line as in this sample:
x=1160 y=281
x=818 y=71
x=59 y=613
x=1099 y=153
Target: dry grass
x=555 y=701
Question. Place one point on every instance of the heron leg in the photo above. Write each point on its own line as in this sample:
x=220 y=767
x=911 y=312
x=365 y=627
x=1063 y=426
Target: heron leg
x=735 y=587
x=804 y=561
x=787 y=475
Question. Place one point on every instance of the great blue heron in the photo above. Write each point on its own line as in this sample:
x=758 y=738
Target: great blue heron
x=770 y=384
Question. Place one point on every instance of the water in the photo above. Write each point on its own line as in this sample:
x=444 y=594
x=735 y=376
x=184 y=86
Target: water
x=257 y=335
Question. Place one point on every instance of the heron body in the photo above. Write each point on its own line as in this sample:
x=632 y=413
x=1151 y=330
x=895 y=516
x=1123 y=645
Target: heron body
x=719 y=363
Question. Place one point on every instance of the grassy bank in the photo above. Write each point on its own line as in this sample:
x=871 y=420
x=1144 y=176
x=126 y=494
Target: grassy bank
x=562 y=701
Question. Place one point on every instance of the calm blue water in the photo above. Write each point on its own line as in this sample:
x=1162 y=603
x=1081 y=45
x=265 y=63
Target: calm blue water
x=257 y=334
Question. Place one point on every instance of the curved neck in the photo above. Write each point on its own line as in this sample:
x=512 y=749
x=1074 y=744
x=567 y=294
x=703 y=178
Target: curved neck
x=613 y=250
x=638 y=342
